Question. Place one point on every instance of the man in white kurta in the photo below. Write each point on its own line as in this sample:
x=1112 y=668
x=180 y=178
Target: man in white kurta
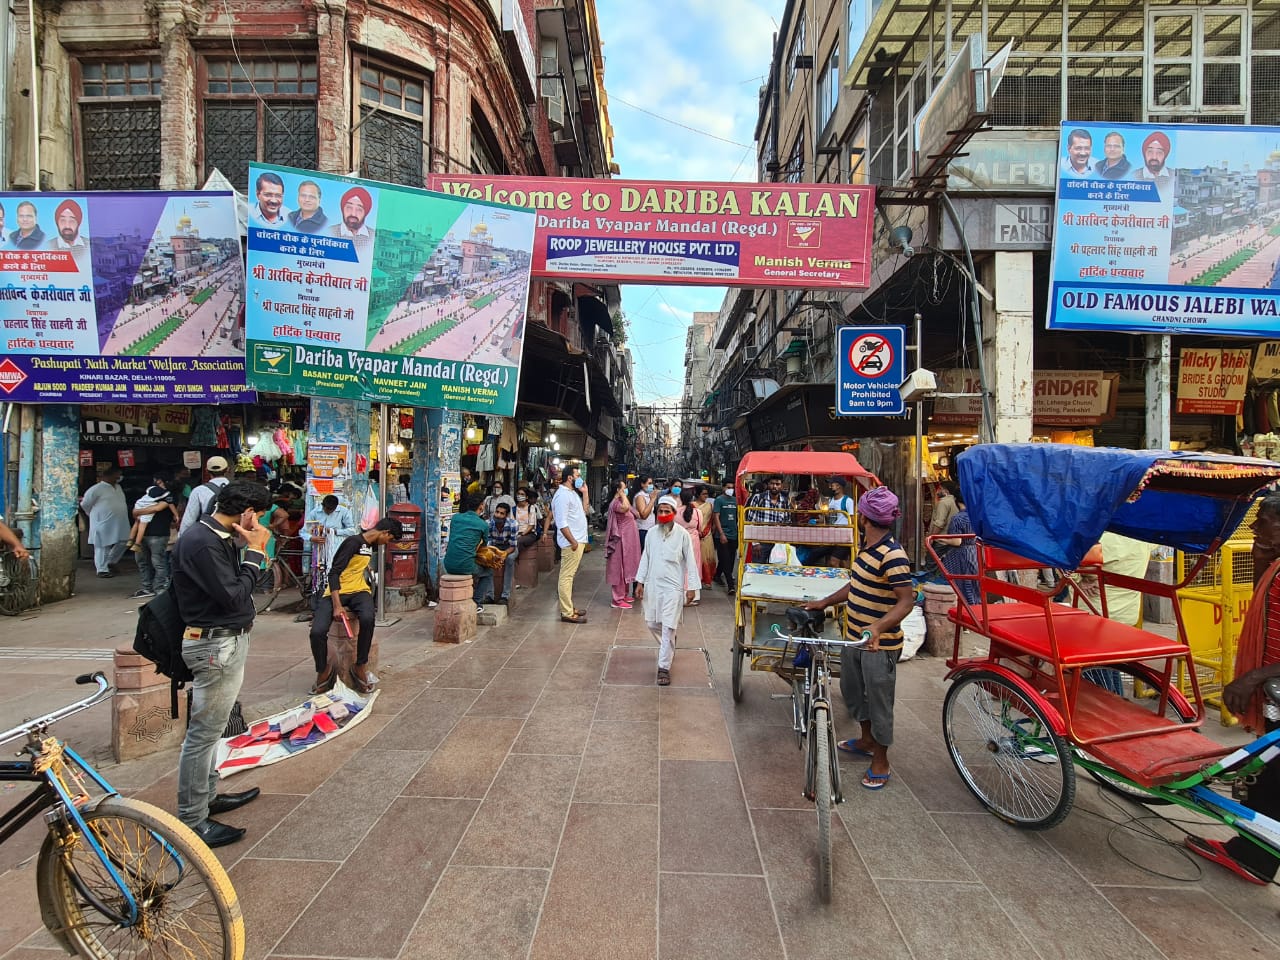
x=668 y=576
x=108 y=521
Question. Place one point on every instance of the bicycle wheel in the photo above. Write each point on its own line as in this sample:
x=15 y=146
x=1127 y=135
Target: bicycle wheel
x=1006 y=752
x=820 y=759
x=739 y=655
x=17 y=584
x=270 y=589
x=187 y=906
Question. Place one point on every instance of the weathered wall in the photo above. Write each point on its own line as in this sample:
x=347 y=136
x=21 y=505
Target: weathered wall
x=57 y=488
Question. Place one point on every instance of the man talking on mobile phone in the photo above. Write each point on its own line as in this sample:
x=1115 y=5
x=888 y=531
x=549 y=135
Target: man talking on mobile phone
x=213 y=586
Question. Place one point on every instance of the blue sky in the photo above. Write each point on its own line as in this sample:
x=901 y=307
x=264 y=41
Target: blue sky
x=699 y=63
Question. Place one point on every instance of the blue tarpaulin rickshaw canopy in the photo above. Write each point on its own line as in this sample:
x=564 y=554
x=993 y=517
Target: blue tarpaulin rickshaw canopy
x=1051 y=502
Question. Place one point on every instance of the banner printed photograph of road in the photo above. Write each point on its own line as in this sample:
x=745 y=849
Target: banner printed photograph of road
x=1167 y=228
x=373 y=291
x=121 y=297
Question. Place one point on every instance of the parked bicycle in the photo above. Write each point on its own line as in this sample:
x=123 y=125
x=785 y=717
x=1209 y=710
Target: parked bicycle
x=116 y=878
x=18 y=579
x=280 y=582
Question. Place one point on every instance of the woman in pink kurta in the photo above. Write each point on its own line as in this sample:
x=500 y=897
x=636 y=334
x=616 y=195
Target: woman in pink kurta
x=622 y=547
x=689 y=518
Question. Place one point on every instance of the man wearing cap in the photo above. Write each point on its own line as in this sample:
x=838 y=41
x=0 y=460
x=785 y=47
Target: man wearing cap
x=1155 y=156
x=28 y=236
x=356 y=206
x=667 y=579
x=270 y=210
x=202 y=497
x=68 y=218
x=877 y=598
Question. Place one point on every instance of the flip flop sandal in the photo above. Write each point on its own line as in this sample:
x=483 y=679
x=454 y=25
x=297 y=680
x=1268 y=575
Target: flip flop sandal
x=851 y=747
x=875 y=781
x=664 y=677
x=1215 y=851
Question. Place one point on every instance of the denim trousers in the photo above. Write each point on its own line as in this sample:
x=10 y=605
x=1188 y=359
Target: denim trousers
x=218 y=665
x=153 y=563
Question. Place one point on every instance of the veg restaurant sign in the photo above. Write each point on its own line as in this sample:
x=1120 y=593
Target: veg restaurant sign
x=718 y=234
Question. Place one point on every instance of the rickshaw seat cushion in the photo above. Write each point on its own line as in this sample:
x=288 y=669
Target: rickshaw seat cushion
x=1008 y=611
x=791 y=533
x=1083 y=638
x=770 y=581
x=996 y=558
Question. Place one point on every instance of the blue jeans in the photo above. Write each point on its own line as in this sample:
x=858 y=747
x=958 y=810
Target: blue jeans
x=482 y=585
x=509 y=576
x=153 y=563
x=218 y=665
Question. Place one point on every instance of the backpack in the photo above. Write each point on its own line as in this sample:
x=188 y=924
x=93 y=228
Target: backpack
x=159 y=639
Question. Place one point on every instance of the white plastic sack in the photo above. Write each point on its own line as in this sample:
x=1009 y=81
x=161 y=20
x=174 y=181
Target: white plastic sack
x=913 y=629
x=784 y=554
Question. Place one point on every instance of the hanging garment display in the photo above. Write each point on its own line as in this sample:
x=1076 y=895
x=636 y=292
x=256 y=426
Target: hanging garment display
x=204 y=427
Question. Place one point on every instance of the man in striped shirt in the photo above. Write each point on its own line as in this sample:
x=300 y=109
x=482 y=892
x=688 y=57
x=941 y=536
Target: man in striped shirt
x=877 y=598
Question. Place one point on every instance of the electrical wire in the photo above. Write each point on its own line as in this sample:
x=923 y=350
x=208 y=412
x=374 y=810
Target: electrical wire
x=614 y=98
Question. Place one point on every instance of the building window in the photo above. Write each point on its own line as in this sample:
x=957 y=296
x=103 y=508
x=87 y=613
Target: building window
x=829 y=88
x=857 y=26
x=795 y=162
x=258 y=110
x=1197 y=60
x=120 y=124
x=796 y=48
x=393 y=117
x=486 y=158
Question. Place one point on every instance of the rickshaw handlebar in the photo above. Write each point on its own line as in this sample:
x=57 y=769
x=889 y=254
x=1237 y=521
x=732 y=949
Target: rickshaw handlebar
x=777 y=632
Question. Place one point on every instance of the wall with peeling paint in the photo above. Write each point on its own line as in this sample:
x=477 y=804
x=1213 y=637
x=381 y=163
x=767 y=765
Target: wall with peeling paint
x=57 y=486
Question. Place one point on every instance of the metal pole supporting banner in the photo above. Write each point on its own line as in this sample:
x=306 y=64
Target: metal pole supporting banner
x=920 y=458
x=383 y=472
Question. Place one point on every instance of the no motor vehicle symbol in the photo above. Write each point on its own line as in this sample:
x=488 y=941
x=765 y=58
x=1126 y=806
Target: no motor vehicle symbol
x=871 y=356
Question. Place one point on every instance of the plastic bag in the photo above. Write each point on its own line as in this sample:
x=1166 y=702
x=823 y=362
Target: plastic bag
x=785 y=554
x=913 y=629
x=370 y=514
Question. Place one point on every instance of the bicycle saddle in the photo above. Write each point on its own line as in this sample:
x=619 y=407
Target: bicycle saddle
x=798 y=618
x=1272 y=690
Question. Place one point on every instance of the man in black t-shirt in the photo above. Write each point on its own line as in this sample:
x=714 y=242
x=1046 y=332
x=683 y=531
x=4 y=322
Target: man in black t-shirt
x=153 y=546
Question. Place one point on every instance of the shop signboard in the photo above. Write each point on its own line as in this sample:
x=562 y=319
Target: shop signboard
x=328 y=469
x=136 y=423
x=1006 y=161
x=1000 y=223
x=716 y=234
x=1066 y=398
x=869 y=369
x=1166 y=228
x=385 y=293
x=1212 y=381
x=121 y=298
x=1266 y=361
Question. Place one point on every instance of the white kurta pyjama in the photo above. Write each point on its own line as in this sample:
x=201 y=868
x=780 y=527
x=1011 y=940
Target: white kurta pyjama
x=668 y=567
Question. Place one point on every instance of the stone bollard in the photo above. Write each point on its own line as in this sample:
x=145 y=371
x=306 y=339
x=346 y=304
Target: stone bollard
x=342 y=649
x=546 y=554
x=140 y=721
x=940 y=632
x=527 y=566
x=456 y=613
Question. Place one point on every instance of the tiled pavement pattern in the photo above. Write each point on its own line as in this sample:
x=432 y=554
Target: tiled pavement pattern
x=534 y=796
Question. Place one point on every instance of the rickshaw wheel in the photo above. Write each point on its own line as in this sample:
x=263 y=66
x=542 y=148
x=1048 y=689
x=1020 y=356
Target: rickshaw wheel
x=1006 y=752
x=819 y=736
x=739 y=655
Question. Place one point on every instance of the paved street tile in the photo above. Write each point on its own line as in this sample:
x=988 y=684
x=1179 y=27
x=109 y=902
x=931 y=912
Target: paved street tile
x=511 y=693
x=692 y=725
x=609 y=848
x=710 y=918
x=894 y=835
x=956 y=921
x=369 y=906
x=467 y=760
x=479 y=913
x=280 y=889
x=426 y=720
x=810 y=929
x=632 y=666
x=771 y=767
x=628 y=703
x=928 y=771
x=473 y=670
x=333 y=819
x=258 y=818
x=21 y=914
x=620 y=764
x=1189 y=924
x=696 y=793
x=520 y=822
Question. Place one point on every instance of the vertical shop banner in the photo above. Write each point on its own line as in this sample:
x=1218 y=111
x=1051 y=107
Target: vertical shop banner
x=1212 y=381
x=377 y=292
x=121 y=298
x=329 y=470
x=720 y=234
x=1167 y=228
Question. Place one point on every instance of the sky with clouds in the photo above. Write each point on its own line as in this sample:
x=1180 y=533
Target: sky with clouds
x=698 y=65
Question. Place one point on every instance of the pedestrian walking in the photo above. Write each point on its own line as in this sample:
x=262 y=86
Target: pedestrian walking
x=877 y=598
x=504 y=535
x=348 y=589
x=689 y=518
x=213 y=586
x=643 y=501
x=666 y=580
x=201 y=499
x=706 y=547
x=725 y=532
x=570 y=521
x=156 y=513
x=622 y=546
x=108 y=513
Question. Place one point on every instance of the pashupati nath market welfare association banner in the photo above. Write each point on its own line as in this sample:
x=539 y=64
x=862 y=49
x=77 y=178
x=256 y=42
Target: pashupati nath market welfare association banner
x=371 y=291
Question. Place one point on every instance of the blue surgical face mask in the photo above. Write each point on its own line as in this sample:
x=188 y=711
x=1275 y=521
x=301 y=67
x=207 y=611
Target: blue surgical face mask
x=649 y=488
x=579 y=483
x=676 y=491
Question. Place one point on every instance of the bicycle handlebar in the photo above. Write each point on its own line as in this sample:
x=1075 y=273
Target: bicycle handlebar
x=777 y=632
x=104 y=691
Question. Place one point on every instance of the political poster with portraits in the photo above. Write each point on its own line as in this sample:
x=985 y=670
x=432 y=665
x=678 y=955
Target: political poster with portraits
x=1167 y=228
x=128 y=297
x=371 y=291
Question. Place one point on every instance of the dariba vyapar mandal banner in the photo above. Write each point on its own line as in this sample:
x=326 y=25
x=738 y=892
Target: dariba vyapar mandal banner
x=367 y=290
x=1167 y=228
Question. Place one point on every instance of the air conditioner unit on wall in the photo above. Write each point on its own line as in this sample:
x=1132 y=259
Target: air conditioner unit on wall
x=555 y=112
x=750 y=354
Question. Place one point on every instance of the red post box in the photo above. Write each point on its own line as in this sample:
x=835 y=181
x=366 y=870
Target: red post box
x=402 y=556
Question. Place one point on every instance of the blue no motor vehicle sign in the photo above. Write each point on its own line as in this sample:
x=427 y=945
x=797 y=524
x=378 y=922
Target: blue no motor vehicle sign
x=869 y=371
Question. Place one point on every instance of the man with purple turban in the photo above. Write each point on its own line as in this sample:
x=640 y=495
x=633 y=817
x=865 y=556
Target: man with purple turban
x=877 y=598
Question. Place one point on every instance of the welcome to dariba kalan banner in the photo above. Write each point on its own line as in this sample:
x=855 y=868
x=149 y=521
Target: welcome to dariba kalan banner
x=121 y=298
x=719 y=234
x=371 y=291
x=1167 y=229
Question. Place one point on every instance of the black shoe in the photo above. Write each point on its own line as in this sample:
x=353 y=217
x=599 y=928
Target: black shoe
x=224 y=802
x=215 y=834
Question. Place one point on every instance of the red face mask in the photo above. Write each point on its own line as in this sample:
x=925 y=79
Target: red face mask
x=666 y=518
